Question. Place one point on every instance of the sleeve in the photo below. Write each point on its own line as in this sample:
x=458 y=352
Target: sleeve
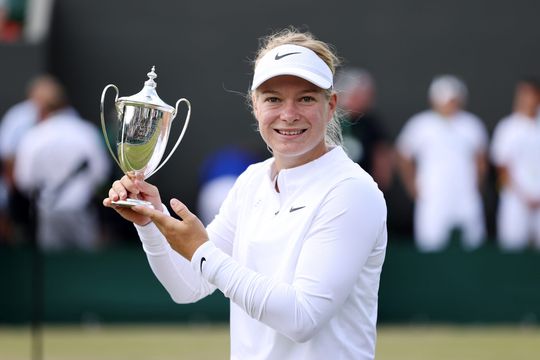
x=500 y=146
x=10 y=130
x=170 y=268
x=326 y=271
x=6 y=136
x=407 y=142
x=184 y=284
x=26 y=171
x=482 y=137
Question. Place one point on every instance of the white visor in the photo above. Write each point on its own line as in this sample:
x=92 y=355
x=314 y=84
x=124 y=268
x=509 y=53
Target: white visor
x=293 y=60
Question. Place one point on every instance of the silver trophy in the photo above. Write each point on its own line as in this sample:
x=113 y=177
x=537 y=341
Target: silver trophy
x=144 y=125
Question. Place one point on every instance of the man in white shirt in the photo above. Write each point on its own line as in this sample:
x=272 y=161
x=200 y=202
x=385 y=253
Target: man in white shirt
x=515 y=151
x=60 y=162
x=442 y=160
x=19 y=118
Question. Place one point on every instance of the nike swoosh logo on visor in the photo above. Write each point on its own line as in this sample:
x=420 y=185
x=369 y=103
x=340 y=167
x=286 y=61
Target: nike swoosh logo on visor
x=296 y=208
x=278 y=57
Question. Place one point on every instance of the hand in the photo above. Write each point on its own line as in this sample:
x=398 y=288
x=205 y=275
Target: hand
x=185 y=236
x=133 y=188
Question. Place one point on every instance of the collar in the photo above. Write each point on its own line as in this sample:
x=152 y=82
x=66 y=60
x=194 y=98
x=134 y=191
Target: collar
x=290 y=180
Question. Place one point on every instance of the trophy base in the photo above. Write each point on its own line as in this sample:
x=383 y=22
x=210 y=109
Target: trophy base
x=132 y=202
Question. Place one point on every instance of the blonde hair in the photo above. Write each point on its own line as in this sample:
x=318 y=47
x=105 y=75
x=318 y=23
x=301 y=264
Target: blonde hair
x=293 y=36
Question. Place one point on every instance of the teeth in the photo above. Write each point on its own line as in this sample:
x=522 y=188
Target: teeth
x=290 y=132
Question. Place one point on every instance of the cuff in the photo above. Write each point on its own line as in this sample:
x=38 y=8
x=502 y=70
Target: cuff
x=154 y=243
x=207 y=259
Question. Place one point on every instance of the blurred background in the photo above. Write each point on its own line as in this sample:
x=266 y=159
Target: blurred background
x=203 y=51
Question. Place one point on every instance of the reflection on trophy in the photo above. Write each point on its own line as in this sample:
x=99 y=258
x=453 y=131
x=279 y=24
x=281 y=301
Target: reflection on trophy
x=144 y=125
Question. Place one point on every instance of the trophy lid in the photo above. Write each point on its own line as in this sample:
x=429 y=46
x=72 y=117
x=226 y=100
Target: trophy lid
x=148 y=96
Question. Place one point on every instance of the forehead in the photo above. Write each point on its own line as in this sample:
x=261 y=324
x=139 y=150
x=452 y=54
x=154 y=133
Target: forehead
x=284 y=83
x=527 y=87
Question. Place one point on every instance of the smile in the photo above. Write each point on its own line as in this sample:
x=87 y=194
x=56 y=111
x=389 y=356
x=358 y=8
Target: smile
x=290 y=132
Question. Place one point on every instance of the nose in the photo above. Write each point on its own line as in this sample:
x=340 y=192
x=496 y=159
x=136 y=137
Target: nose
x=290 y=112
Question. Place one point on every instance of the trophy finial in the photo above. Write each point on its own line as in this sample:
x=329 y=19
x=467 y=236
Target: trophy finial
x=151 y=76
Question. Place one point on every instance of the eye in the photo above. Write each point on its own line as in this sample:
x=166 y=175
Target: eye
x=271 y=99
x=307 y=99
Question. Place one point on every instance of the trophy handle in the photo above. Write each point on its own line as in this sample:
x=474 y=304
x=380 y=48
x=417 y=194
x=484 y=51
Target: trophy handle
x=103 y=127
x=186 y=122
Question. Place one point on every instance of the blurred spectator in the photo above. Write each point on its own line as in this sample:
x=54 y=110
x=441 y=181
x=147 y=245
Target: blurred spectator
x=15 y=123
x=515 y=152
x=11 y=13
x=217 y=176
x=59 y=163
x=443 y=162
x=364 y=136
x=3 y=17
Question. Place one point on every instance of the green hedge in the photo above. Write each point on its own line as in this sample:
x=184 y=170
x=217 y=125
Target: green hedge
x=118 y=286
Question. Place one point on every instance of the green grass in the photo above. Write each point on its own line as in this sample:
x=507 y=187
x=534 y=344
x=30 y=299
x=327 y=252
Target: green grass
x=463 y=343
x=212 y=342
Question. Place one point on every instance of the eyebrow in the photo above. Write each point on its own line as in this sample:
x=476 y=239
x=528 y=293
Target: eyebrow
x=306 y=91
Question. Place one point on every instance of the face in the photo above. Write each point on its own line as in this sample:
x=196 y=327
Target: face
x=527 y=98
x=447 y=108
x=293 y=114
x=358 y=100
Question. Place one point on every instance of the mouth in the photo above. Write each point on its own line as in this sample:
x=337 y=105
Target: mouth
x=290 y=132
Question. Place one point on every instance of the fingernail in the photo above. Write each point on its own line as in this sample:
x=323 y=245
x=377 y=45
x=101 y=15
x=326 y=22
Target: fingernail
x=175 y=202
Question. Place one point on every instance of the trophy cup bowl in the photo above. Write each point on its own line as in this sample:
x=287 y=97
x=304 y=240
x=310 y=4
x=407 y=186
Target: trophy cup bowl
x=144 y=124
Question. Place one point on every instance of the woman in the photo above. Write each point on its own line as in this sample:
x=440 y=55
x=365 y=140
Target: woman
x=299 y=242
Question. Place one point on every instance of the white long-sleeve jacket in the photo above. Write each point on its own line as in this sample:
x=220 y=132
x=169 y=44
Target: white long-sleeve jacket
x=301 y=266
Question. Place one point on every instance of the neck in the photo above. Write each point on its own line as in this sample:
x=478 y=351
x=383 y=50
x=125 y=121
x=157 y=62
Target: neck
x=528 y=112
x=288 y=162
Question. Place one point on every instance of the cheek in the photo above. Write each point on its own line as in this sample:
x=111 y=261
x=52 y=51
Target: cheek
x=261 y=121
x=326 y=115
x=263 y=124
x=265 y=117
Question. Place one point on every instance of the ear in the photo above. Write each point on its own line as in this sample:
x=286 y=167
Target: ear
x=254 y=103
x=332 y=105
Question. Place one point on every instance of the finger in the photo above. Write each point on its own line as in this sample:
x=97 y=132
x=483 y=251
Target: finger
x=113 y=194
x=155 y=215
x=118 y=191
x=107 y=201
x=181 y=210
x=129 y=184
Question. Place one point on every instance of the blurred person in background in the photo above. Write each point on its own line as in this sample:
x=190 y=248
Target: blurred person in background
x=442 y=155
x=364 y=136
x=11 y=13
x=217 y=177
x=20 y=118
x=59 y=163
x=3 y=17
x=515 y=151
x=299 y=242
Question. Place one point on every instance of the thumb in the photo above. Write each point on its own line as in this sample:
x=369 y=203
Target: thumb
x=181 y=210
